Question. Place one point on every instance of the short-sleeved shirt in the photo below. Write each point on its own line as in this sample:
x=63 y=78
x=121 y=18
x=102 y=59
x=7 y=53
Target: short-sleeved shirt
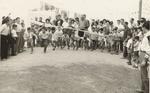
x=4 y=30
x=14 y=33
x=129 y=43
x=44 y=35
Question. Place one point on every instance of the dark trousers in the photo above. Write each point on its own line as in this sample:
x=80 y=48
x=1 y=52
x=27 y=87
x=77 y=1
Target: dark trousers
x=4 y=47
x=13 y=46
x=144 y=79
x=121 y=45
x=45 y=44
x=125 y=53
x=144 y=73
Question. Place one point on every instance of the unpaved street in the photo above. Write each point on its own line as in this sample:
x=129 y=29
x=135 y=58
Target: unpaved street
x=67 y=71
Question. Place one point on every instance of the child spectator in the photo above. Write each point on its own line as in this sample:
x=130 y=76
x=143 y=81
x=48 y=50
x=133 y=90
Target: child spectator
x=136 y=43
x=129 y=48
x=14 y=40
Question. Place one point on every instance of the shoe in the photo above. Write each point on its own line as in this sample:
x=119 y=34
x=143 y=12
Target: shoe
x=139 y=91
x=129 y=63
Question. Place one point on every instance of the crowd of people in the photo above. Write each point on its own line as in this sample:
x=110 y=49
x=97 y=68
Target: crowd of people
x=130 y=38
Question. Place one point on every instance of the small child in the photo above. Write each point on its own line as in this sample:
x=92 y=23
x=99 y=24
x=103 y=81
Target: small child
x=44 y=36
x=57 y=37
x=65 y=40
x=129 y=48
x=94 y=38
x=29 y=38
x=14 y=40
x=136 y=43
x=101 y=39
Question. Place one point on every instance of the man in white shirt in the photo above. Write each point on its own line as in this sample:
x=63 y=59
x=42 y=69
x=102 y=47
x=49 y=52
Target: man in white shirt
x=145 y=57
x=19 y=34
x=14 y=38
x=4 y=32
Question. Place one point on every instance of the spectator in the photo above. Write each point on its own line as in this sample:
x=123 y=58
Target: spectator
x=4 y=32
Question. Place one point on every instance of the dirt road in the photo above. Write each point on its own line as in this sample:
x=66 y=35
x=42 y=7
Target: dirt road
x=67 y=71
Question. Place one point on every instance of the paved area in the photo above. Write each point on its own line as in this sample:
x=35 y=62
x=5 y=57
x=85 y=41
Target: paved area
x=67 y=71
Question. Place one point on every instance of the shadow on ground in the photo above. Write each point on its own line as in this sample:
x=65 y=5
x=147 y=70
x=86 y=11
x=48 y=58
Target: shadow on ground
x=75 y=78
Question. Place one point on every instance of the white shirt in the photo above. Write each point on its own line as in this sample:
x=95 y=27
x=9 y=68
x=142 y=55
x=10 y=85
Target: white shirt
x=136 y=46
x=94 y=35
x=129 y=43
x=44 y=35
x=145 y=46
x=120 y=27
x=18 y=27
x=65 y=24
x=14 y=34
x=4 y=30
x=132 y=25
x=47 y=25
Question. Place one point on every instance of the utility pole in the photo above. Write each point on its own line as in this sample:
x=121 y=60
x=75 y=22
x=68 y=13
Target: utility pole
x=140 y=9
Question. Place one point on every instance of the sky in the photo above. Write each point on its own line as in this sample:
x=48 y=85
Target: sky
x=111 y=9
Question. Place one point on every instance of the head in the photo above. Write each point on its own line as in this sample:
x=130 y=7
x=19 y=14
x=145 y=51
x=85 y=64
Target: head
x=129 y=36
x=3 y=17
x=40 y=19
x=132 y=20
x=83 y=17
x=101 y=23
x=136 y=38
x=122 y=21
x=118 y=22
x=59 y=23
x=6 y=21
x=47 y=20
x=14 y=27
x=77 y=19
x=66 y=19
x=104 y=21
x=18 y=20
x=139 y=29
x=126 y=24
x=142 y=20
x=59 y=28
x=58 y=16
x=43 y=29
x=146 y=26
x=22 y=24
x=53 y=29
x=28 y=29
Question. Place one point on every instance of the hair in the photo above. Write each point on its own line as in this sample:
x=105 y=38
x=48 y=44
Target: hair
x=147 y=25
x=28 y=28
x=101 y=22
x=126 y=23
x=53 y=29
x=143 y=19
x=14 y=26
x=17 y=18
x=140 y=28
x=47 y=20
x=132 y=19
x=136 y=38
x=5 y=20
x=43 y=28
x=130 y=35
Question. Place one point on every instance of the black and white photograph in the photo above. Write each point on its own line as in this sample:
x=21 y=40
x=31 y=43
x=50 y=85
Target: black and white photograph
x=74 y=46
